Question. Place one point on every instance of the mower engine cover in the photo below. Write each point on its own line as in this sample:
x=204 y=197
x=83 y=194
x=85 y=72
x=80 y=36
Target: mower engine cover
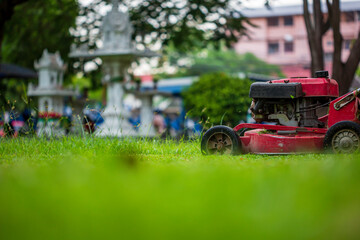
x=278 y=90
x=314 y=87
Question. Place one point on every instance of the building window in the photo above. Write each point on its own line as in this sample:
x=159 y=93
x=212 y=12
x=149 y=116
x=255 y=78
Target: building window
x=349 y=16
x=288 y=21
x=347 y=44
x=273 y=21
x=273 y=47
x=328 y=56
x=289 y=46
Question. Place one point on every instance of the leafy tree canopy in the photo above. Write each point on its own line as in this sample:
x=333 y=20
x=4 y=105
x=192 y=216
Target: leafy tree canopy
x=187 y=24
x=218 y=98
x=36 y=25
x=31 y=26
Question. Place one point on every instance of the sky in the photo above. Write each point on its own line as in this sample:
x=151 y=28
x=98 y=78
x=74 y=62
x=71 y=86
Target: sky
x=260 y=3
x=246 y=3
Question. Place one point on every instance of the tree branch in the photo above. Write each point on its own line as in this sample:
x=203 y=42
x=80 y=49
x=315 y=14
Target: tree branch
x=318 y=17
x=354 y=58
x=308 y=23
x=335 y=23
x=314 y=31
x=327 y=24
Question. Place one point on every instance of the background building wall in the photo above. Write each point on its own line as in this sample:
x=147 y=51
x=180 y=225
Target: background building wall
x=279 y=37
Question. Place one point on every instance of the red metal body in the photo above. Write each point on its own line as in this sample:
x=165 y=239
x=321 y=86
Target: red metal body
x=256 y=142
x=315 y=87
x=279 y=139
x=349 y=112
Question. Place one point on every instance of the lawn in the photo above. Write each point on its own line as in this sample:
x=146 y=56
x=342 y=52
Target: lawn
x=91 y=188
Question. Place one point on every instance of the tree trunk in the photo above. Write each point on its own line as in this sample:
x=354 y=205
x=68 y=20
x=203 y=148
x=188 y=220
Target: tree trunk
x=342 y=72
x=316 y=28
x=319 y=52
x=338 y=65
x=349 y=68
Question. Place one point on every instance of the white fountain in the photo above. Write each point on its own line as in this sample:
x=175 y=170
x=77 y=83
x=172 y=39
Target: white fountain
x=117 y=54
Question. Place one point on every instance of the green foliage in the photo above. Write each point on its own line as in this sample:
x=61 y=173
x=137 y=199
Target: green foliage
x=81 y=81
x=218 y=98
x=102 y=188
x=187 y=24
x=229 y=61
x=211 y=60
x=13 y=95
x=36 y=25
x=96 y=95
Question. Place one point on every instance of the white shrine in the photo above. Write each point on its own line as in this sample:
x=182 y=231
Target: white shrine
x=117 y=54
x=50 y=93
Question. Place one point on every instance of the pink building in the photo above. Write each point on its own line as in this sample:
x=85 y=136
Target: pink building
x=280 y=36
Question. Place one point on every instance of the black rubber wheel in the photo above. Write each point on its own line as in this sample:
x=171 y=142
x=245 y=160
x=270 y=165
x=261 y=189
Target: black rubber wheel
x=343 y=137
x=220 y=140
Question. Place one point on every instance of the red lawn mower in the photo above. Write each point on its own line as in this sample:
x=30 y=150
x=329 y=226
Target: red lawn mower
x=302 y=115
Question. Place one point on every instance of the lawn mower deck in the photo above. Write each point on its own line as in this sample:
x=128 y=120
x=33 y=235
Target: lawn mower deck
x=277 y=140
x=305 y=115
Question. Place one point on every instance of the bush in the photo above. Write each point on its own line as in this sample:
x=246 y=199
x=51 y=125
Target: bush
x=218 y=98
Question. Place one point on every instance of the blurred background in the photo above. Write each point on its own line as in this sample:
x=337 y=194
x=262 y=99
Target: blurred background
x=165 y=68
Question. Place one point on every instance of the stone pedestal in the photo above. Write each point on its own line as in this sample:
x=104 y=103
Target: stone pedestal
x=116 y=122
x=50 y=128
x=146 y=128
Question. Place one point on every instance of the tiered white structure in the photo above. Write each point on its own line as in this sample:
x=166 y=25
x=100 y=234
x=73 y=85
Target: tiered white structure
x=117 y=54
x=50 y=92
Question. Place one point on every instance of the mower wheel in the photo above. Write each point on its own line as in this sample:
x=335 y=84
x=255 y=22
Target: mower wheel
x=343 y=137
x=220 y=140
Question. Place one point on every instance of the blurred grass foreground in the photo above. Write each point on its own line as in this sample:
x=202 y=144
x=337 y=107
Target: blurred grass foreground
x=90 y=188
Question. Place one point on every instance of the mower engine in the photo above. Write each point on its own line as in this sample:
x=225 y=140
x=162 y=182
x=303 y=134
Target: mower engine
x=293 y=102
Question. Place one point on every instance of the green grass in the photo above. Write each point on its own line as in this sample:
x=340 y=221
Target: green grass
x=89 y=188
